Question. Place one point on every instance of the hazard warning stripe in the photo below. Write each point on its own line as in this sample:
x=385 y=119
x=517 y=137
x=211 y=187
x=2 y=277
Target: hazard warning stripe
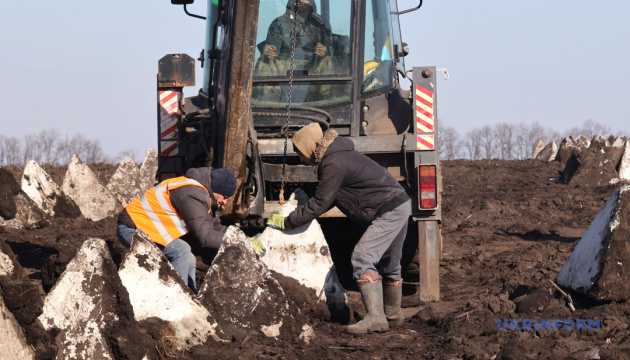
x=424 y=110
x=169 y=148
x=170 y=133
x=168 y=96
x=168 y=120
x=169 y=116
x=168 y=109
x=426 y=142
x=168 y=103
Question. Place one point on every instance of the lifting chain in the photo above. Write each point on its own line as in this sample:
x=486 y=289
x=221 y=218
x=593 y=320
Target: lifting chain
x=286 y=126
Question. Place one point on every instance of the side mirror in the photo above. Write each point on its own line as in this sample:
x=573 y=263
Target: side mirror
x=182 y=2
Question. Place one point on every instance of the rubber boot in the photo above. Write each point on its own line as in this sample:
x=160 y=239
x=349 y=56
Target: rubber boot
x=374 y=320
x=392 y=296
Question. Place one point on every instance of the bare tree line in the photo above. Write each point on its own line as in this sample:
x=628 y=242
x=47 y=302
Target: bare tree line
x=507 y=141
x=49 y=147
x=501 y=141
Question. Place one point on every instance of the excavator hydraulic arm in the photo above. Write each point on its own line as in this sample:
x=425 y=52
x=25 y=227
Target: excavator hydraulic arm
x=238 y=101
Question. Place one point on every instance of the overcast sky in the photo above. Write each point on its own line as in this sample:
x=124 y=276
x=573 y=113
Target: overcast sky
x=90 y=67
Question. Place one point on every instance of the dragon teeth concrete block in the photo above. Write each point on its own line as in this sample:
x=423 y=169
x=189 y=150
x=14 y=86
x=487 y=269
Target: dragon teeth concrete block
x=125 y=184
x=83 y=306
x=598 y=264
x=156 y=290
x=240 y=290
x=83 y=187
x=39 y=186
x=148 y=169
x=624 y=164
x=303 y=254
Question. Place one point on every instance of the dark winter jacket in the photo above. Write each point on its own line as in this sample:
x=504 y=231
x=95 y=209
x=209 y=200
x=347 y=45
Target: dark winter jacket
x=193 y=203
x=311 y=29
x=361 y=188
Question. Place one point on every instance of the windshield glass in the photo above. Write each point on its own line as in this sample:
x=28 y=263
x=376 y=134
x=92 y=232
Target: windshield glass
x=322 y=50
x=378 y=50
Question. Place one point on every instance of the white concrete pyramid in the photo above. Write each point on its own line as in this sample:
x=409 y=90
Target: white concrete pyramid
x=83 y=187
x=156 y=290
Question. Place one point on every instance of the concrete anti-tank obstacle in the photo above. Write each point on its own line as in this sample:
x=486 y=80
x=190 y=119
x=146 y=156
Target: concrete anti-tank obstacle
x=39 y=186
x=28 y=213
x=241 y=292
x=13 y=343
x=548 y=153
x=85 y=306
x=83 y=187
x=15 y=283
x=125 y=184
x=565 y=150
x=16 y=209
x=148 y=169
x=583 y=142
x=624 y=164
x=593 y=166
x=157 y=291
x=598 y=264
x=12 y=340
x=303 y=254
x=539 y=147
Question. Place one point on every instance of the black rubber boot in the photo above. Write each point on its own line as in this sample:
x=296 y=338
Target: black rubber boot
x=374 y=320
x=392 y=295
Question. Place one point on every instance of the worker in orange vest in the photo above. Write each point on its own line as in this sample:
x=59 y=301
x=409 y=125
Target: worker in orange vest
x=178 y=210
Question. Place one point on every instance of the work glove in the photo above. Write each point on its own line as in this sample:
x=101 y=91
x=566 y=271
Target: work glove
x=276 y=221
x=258 y=246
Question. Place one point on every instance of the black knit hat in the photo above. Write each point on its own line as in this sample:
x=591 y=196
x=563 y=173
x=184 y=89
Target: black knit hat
x=223 y=182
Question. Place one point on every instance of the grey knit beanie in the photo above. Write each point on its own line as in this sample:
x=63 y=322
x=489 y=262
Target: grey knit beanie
x=223 y=182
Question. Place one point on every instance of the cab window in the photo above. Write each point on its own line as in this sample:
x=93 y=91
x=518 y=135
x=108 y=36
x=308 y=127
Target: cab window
x=378 y=48
x=321 y=52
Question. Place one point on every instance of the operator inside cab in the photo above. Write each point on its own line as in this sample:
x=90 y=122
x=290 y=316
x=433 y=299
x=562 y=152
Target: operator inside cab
x=313 y=39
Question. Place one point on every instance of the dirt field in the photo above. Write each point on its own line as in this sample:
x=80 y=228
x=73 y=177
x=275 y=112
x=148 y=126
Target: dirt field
x=507 y=230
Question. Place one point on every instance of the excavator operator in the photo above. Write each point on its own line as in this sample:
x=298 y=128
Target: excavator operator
x=313 y=40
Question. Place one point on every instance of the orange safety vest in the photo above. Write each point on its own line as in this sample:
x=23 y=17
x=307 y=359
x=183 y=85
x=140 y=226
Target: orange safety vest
x=153 y=212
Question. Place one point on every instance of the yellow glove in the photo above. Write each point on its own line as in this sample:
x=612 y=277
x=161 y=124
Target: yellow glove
x=258 y=246
x=276 y=221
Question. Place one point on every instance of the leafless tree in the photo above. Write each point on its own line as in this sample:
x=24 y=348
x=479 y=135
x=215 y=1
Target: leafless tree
x=505 y=134
x=487 y=142
x=30 y=150
x=521 y=141
x=534 y=132
x=49 y=143
x=472 y=144
x=449 y=144
x=590 y=128
x=93 y=152
x=11 y=148
x=89 y=151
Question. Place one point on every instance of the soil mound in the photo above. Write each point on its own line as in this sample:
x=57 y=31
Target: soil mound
x=507 y=230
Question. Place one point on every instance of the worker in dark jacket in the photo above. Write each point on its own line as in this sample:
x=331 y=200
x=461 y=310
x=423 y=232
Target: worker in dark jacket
x=179 y=209
x=366 y=193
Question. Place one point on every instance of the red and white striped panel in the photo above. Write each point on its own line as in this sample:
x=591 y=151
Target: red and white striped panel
x=426 y=142
x=169 y=116
x=424 y=110
x=169 y=148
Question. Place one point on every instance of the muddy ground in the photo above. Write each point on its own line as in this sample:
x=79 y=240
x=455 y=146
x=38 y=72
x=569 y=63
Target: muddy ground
x=507 y=230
